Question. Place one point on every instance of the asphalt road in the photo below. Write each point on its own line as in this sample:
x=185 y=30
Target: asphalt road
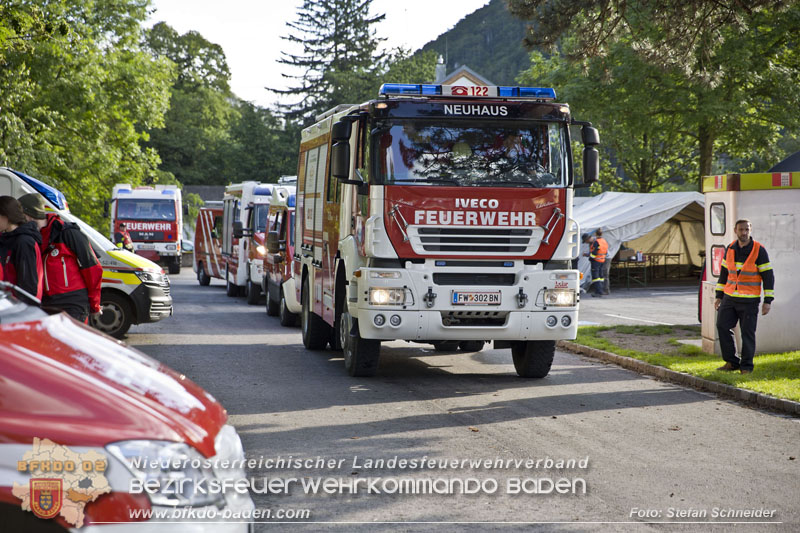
x=652 y=449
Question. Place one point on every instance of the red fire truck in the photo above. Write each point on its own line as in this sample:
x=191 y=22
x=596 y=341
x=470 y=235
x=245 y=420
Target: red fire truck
x=207 y=260
x=280 y=250
x=154 y=219
x=440 y=213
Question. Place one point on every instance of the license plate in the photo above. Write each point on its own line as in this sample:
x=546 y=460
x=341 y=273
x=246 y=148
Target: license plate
x=146 y=247
x=475 y=298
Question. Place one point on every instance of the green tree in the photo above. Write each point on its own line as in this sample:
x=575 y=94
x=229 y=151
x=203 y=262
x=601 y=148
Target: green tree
x=77 y=95
x=339 y=57
x=727 y=81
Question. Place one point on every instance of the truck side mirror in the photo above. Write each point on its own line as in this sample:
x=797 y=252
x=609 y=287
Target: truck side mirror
x=591 y=157
x=238 y=230
x=341 y=131
x=340 y=160
x=185 y=209
x=105 y=209
x=273 y=242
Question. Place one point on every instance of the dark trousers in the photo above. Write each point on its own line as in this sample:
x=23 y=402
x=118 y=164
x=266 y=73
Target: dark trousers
x=597 y=276
x=746 y=314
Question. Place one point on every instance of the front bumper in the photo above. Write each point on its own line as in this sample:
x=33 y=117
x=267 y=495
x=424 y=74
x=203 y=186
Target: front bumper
x=153 y=301
x=511 y=320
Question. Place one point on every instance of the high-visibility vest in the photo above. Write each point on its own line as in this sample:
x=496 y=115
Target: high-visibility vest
x=744 y=282
x=600 y=252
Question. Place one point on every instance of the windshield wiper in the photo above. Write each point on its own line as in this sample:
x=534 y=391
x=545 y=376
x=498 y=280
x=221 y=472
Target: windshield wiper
x=507 y=182
x=430 y=180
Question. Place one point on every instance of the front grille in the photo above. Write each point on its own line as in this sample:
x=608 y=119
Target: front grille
x=474 y=318
x=468 y=278
x=472 y=240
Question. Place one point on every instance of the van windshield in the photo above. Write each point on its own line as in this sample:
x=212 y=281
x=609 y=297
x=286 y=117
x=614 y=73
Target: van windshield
x=97 y=240
x=488 y=154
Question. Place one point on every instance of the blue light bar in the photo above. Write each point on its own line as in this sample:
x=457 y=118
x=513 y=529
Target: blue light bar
x=53 y=195
x=168 y=191
x=410 y=88
x=263 y=190
x=292 y=200
x=527 y=92
x=124 y=191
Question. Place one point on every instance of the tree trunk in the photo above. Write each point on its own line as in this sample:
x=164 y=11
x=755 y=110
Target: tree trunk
x=705 y=137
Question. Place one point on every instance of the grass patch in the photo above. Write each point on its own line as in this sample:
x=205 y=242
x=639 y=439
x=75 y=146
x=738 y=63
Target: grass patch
x=775 y=374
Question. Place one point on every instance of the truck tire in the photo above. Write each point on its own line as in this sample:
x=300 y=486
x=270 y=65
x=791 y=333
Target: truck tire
x=231 y=289
x=174 y=265
x=470 y=346
x=445 y=346
x=315 y=331
x=253 y=292
x=361 y=356
x=202 y=278
x=287 y=318
x=533 y=359
x=273 y=307
x=117 y=315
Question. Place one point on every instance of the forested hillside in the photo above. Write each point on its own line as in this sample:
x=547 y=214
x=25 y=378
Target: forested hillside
x=489 y=41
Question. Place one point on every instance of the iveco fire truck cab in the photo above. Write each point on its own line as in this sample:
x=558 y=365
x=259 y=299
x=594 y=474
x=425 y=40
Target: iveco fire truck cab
x=440 y=213
x=154 y=219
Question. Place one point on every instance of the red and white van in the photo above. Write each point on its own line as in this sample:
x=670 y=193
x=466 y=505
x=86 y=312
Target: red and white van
x=280 y=250
x=207 y=260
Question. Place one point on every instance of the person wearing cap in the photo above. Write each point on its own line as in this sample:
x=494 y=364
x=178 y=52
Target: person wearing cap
x=122 y=238
x=20 y=254
x=72 y=273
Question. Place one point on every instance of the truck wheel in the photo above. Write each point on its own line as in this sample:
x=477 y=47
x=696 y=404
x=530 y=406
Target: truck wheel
x=360 y=355
x=532 y=359
x=273 y=307
x=117 y=315
x=470 y=346
x=202 y=278
x=253 y=292
x=287 y=318
x=175 y=265
x=445 y=346
x=315 y=331
x=231 y=289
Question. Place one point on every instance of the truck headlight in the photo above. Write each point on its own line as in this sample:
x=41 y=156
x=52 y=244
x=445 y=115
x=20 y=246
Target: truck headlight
x=171 y=247
x=183 y=474
x=261 y=250
x=390 y=296
x=559 y=297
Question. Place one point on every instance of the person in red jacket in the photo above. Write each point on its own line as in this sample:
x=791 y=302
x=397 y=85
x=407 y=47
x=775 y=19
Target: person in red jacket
x=72 y=273
x=20 y=254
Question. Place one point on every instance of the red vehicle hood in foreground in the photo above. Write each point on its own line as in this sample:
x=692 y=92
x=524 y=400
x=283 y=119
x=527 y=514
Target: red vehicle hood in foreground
x=64 y=381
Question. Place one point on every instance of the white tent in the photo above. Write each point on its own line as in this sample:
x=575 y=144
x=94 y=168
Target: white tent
x=668 y=222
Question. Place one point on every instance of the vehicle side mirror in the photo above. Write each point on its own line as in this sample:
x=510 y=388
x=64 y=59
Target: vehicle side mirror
x=238 y=230
x=591 y=165
x=273 y=242
x=214 y=234
x=185 y=209
x=340 y=160
x=341 y=131
x=105 y=209
x=590 y=136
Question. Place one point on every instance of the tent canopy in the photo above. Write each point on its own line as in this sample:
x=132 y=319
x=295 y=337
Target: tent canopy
x=790 y=164
x=668 y=222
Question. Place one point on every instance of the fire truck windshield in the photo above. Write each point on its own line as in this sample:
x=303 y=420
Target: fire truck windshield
x=489 y=154
x=145 y=209
x=260 y=213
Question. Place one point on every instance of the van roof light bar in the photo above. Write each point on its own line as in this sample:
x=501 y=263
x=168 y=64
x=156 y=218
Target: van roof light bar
x=477 y=91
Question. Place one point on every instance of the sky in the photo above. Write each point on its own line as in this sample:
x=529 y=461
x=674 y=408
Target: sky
x=250 y=31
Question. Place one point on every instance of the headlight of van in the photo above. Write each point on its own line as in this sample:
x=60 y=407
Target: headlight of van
x=148 y=277
x=559 y=297
x=183 y=475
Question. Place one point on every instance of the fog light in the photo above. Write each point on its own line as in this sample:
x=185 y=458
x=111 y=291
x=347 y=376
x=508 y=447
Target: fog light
x=379 y=320
x=395 y=320
x=566 y=321
x=552 y=321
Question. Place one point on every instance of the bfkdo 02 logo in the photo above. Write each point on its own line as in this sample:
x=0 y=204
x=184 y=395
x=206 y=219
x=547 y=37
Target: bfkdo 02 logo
x=46 y=497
